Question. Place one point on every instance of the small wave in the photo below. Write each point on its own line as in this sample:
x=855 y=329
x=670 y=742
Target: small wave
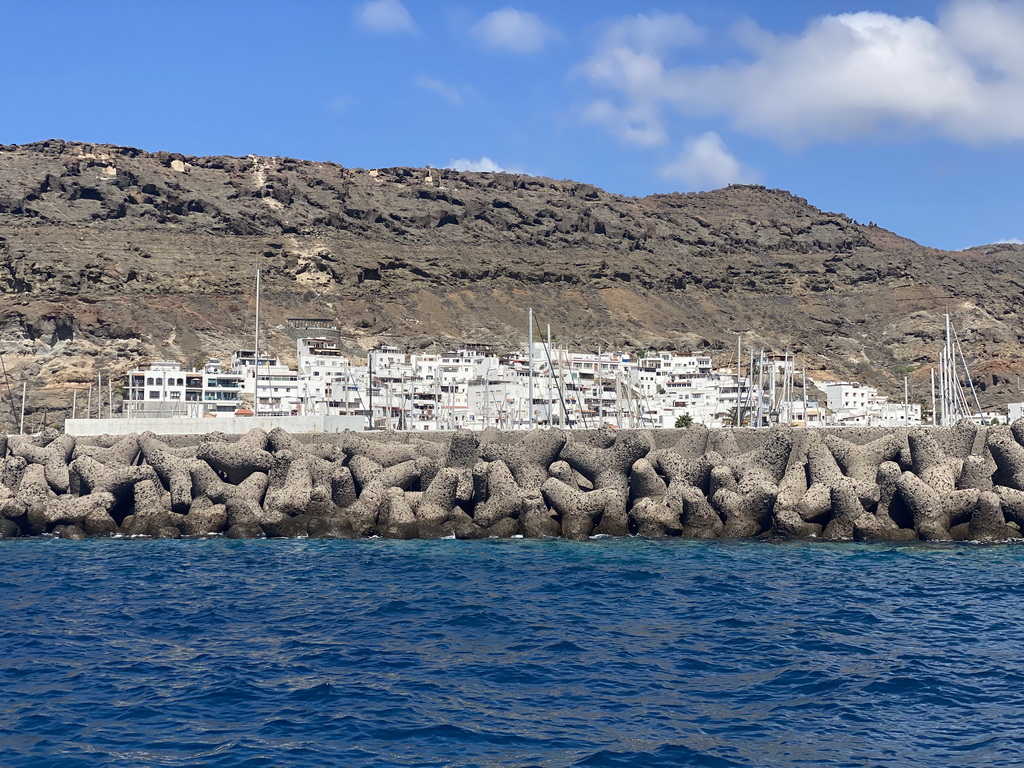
x=535 y=653
x=668 y=755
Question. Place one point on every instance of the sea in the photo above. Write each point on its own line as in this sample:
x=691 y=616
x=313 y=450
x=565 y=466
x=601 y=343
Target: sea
x=609 y=652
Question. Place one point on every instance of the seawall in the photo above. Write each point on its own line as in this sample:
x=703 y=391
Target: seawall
x=960 y=483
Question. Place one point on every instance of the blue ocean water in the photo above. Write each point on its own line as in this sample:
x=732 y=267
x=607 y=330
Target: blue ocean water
x=622 y=652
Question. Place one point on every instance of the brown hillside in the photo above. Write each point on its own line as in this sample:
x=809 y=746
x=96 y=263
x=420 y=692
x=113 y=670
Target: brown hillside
x=110 y=256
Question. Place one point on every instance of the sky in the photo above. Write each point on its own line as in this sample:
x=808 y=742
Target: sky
x=906 y=114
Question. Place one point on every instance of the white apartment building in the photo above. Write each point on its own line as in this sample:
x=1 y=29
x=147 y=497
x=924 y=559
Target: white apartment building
x=275 y=391
x=855 y=405
x=321 y=365
x=167 y=389
x=472 y=388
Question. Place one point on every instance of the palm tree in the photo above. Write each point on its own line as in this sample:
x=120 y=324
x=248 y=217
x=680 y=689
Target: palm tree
x=729 y=419
x=684 y=422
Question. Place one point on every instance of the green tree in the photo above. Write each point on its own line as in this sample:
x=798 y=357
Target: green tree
x=729 y=420
x=684 y=422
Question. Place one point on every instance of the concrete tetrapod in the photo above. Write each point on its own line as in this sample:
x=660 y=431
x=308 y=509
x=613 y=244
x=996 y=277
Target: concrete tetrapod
x=437 y=503
x=700 y=520
x=988 y=523
x=203 y=518
x=1008 y=455
x=580 y=512
x=860 y=462
x=935 y=509
x=54 y=457
x=397 y=519
x=786 y=520
x=122 y=451
x=152 y=515
x=91 y=513
x=845 y=498
x=237 y=460
x=649 y=514
x=608 y=469
x=926 y=483
x=748 y=514
x=528 y=460
x=172 y=469
x=504 y=498
x=119 y=481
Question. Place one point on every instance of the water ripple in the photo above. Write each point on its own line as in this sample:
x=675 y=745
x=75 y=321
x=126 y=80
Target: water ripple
x=510 y=653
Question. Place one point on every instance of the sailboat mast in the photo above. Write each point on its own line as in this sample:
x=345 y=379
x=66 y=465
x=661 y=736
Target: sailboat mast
x=906 y=402
x=950 y=379
x=529 y=385
x=805 y=395
x=933 y=395
x=256 y=353
x=369 y=385
x=760 y=387
x=561 y=388
x=551 y=380
x=942 y=387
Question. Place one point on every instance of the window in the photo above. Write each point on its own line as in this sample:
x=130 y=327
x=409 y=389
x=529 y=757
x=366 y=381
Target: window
x=154 y=395
x=149 y=381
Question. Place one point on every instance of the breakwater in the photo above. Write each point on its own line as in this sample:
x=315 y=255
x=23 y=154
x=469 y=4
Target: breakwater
x=960 y=483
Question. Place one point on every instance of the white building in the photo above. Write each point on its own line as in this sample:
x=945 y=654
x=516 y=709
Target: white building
x=321 y=366
x=166 y=389
x=855 y=405
x=474 y=389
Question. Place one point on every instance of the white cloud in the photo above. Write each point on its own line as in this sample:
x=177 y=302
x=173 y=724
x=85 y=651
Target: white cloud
x=843 y=77
x=512 y=30
x=637 y=123
x=1011 y=241
x=629 y=61
x=385 y=16
x=706 y=163
x=655 y=33
x=447 y=92
x=483 y=165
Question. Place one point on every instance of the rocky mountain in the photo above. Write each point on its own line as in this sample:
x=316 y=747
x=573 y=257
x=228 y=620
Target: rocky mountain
x=111 y=257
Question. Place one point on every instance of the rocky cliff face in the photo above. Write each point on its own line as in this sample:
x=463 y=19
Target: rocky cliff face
x=110 y=256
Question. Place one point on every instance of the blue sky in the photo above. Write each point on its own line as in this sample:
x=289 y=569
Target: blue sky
x=908 y=114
